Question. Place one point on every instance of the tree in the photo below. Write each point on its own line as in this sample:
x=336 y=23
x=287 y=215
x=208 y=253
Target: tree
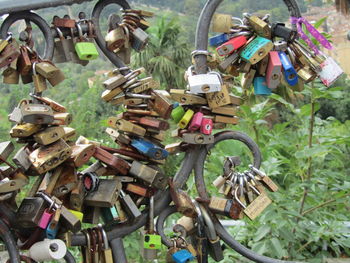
x=166 y=56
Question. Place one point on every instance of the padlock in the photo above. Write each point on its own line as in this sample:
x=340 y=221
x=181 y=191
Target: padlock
x=196 y=121
x=221 y=23
x=149 y=149
x=149 y=175
x=197 y=138
x=129 y=205
x=138 y=190
x=46 y=218
x=49 y=135
x=280 y=30
x=105 y=195
x=37 y=114
x=82 y=153
x=21 y=159
x=183 y=123
x=63 y=22
x=85 y=50
x=107 y=252
x=146 y=84
x=61 y=48
x=114 y=82
x=182 y=256
x=330 y=71
x=259 y=26
x=50 y=156
x=225 y=119
x=10 y=74
x=9 y=54
x=187 y=98
x=115 y=38
x=7 y=185
x=206 y=126
x=151 y=239
x=139 y=39
x=204 y=83
x=118 y=137
x=111 y=160
x=47 y=70
x=265 y=179
x=30 y=211
x=51 y=103
x=154 y=123
x=161 y=105
x=217 y=40
x=57 y=79
x=51 y=232
x=6 y=148
x=77 y=214
x=126 y=126
x=226 y=110
x=260 y=86
x=256 y=50
x=226 y=207
x=5 y=42
x=77 y=196
x=228 y=61
x=62 y=118
x=108 y=95
x=262 y=66
x=290 y=74
x=69 y=133
x=255 y=208
x=38 y=80
x=274 y=69
x=280 y=45
x=66 y=181
x=231 y=45
x=177 y=113
x=24 y=130
x=248 y=78
x=306 y=74
x=220 y=98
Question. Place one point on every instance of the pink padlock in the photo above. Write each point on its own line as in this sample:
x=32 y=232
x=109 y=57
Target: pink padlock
x=207 y=126
x=196 y=121
x=45 y=218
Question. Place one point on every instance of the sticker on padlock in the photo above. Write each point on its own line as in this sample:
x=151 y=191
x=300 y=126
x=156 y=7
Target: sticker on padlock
x=290 y=74
x=204 y=83
x=206 y=126
x=330 y=72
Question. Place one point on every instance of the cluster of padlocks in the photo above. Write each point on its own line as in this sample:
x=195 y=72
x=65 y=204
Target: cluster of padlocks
x=69 y=190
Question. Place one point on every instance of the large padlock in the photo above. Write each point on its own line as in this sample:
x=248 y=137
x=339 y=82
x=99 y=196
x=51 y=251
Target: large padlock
x=161 y=105
x=222 y=23
x=203 y=83
x=36 y=114
x=85 y=50
x=38 y=80
x=10 y=74
x=30 y=211
x=24 y=130
x=260 y=26
x=49 y=135
x=129 y=205
x=21 y=159
x=256 y=50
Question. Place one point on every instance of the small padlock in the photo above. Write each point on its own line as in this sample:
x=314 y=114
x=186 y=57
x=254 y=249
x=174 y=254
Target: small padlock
x=126 y=126
x=46 y=218
x=183 y=256
x=149 y=149
x=187 y=98
x=49 y=135
x=259 y=26
x=274 y=69
x=230 y=46
x=106 y=194
x=24 y=130
x=151 y=239
x=6 y=148
x=177 y=113
x=30 y=211
x=256 y=50
x=204 y=83
x=139 y=39
x=61 y=48
x=280 y=30
x=38 y=80
x=10 y=74
x=37 y=114
x=217 y=40
x=206 y=126
x=248 y=78
x=185 y=120
x=149 y=175
x=228 y=61
x=85 y=50
x=220 y=98
x=115 y=38
x=290 y=74
x=197 y=138
x=5 y=42
x=196 y=121
x=129 y=205
x=260 y=86
x=21 y=159
x=9 y=54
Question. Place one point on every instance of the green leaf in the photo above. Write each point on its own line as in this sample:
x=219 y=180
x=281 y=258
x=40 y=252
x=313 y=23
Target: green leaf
x=262 y=232
x=306 y=109
x=276 y=246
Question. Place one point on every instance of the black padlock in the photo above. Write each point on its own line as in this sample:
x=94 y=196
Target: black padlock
x=280 y=30
x=30 y=211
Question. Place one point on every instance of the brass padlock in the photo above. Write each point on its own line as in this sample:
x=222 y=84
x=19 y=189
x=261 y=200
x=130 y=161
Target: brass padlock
x=10 y=74
x=21 y=159
x=69 y=133
x=82 y=153
x=221 y=23
x=38 y=80
x=114 y=82
x=197 y=138
x=226 y=119
x=62 y=118
x=226 y=110
x=126 y=126
x=161 y=105
x=6 y=148
x=51 y=103
x=219 y=98
x=186 y=98
x=49 y=135
x=108 y=95
x=115 y=38
x=106 y=195
x=66 y=182
x=260 y=26
x=24 y=130
x=50 y=156
x=149 y=175
x=9 y=54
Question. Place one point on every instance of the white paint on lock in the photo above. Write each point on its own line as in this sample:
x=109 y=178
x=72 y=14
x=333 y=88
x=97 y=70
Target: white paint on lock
x=49 y=249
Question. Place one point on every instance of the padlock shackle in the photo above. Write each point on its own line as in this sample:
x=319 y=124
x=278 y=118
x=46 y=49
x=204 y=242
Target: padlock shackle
x=203 y=24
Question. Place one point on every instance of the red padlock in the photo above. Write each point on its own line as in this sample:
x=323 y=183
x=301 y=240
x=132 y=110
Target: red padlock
x=274 y=70
x=230 y=46
x=207 y=126
x=196 y=121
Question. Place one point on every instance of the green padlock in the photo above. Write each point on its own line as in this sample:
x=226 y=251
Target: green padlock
x=85 y=50
x=177 y=113
x=151 y=239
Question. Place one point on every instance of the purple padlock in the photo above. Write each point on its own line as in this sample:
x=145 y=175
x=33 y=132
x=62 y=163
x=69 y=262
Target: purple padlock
x=196 y=121
x=45 y=218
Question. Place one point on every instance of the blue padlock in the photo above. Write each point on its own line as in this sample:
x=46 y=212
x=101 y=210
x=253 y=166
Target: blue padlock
x=289 y=71
x=149 y=149
x=51 y=232
x=217 y=40
x=182 y=256
x=260 y=87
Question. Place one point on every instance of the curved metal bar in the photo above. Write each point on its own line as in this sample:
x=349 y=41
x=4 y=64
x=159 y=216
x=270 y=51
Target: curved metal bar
x=200 y=184
x=163 y=200
x=37 y=20
x=118 y=250
x=160 y=224
x=69 y=258
x=10 y=243
x=96 y=13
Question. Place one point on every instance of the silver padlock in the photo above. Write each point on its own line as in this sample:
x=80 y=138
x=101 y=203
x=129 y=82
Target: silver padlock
x=203 y=83
x=280 y=45
x=140 y=39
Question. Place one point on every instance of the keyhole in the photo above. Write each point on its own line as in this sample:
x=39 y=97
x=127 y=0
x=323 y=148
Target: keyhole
x=205 y=88
x=53 y=247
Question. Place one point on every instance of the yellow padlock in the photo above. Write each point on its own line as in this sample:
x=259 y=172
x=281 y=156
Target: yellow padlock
x=77 y=214
x=186 y=119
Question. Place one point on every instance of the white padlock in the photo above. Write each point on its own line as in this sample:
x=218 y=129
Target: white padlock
x=330 y=72
x=47 y=250
x=203 y=83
